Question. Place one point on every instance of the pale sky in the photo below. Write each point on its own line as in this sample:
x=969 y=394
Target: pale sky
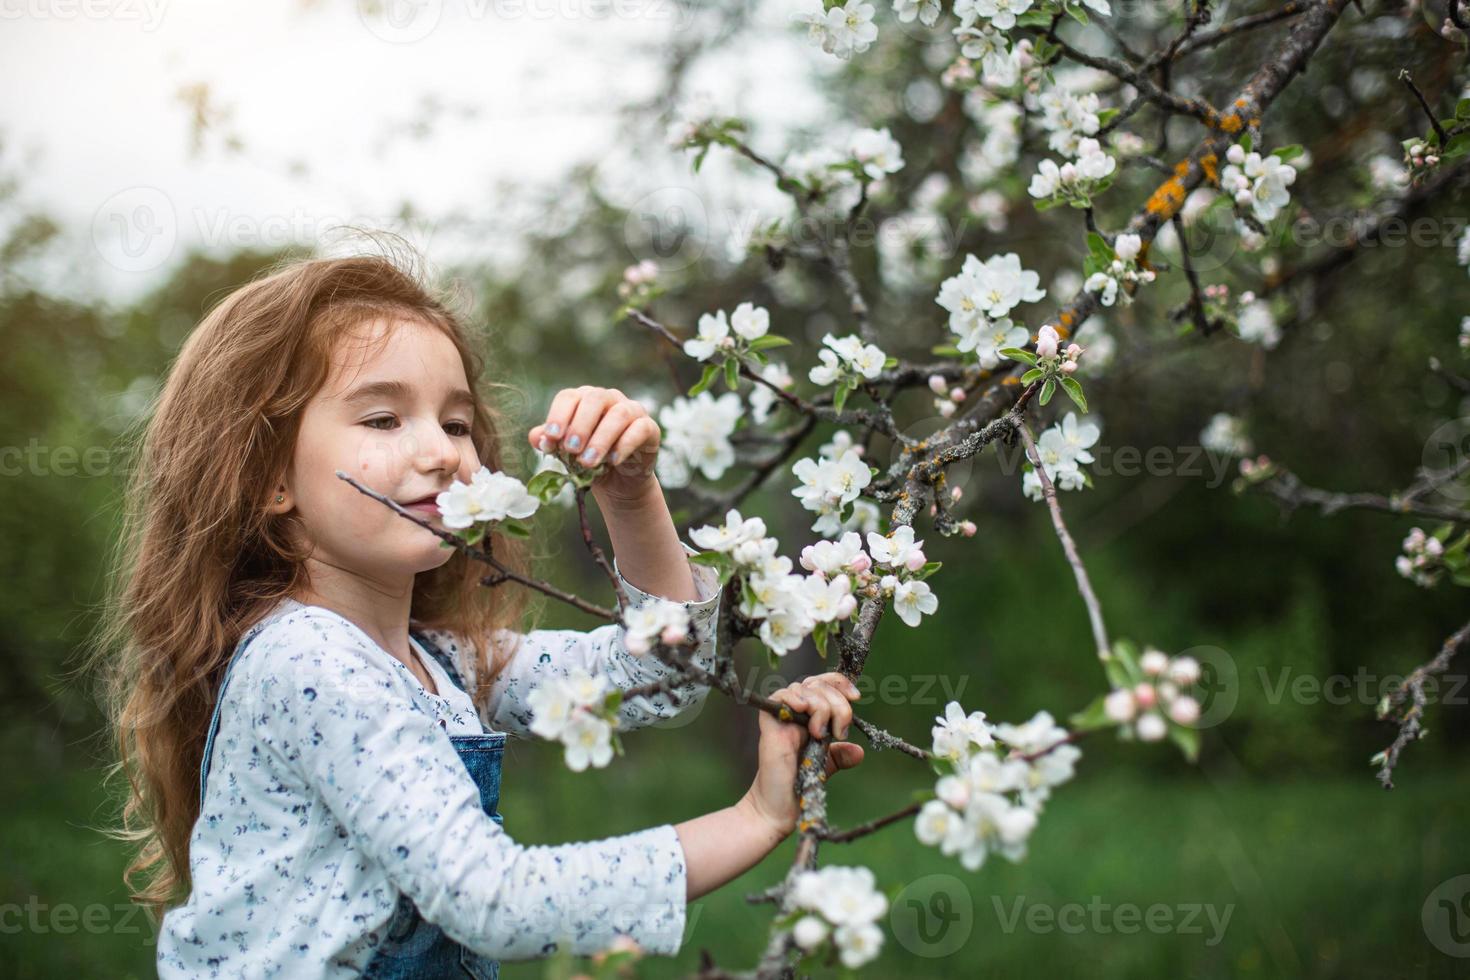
x=91 y=117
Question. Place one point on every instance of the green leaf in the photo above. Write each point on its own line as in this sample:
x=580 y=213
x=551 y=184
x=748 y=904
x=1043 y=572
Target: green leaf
x=705 y=380
x=1017 y=354
x=946 y=350
x=839 y=397
x=1187 y=739
x=546 y=484
x=514 y=528
x=1122 y=667
x=819 y=637
x=1077 y=13
x=1246 y=142
x=473 y=534
x=930 y=567
x=732 y=374
x=1289 y=152
x=1106 y=116
x=1074 y=389
x=1034 y=18
x=768 y=341
x=1462 y=109
x=1047 y=390
x=1098 y=245
x=890 y=362
x=1032 y=375
x=1458 y=147
x=1092 y=717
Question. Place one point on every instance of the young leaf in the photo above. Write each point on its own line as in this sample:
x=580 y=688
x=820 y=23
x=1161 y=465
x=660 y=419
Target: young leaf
x=1047 y=390
x=710 y=370
x=732 y=374
x=1074 y=389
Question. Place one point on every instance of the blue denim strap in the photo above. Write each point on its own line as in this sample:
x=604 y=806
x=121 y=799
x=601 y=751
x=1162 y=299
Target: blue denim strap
x=245 y=639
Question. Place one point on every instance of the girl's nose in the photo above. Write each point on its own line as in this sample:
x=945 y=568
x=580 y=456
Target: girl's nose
x=436 y=450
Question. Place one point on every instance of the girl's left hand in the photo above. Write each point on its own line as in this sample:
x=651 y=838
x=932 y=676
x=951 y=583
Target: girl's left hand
x=597 y=425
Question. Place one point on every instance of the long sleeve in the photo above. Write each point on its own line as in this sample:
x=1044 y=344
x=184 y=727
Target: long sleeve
x=542 y=654
x=389 y=775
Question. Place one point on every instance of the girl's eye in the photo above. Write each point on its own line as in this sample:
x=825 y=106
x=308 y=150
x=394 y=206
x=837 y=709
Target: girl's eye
x=457 y=428
x=379 y=422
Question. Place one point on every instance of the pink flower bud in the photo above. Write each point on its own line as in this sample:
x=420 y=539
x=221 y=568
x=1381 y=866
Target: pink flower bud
x=968 y=528
x=1184 y=710
x=846 y=606
x=955 y=493
x=1119 y=707
x=1074 y=351
x=914 y=561
x=861 y=563
x=1146 y=696
x=1069 y=367
x=674 y=635
x=937 y=384
x=1047 y=340
x=957 y=395
x=1154 y=662
x=1151 y=728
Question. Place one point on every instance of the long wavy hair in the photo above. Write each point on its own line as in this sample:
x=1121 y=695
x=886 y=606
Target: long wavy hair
x=200 y=557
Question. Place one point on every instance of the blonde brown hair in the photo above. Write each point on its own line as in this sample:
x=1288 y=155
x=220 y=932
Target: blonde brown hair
x=200 y=557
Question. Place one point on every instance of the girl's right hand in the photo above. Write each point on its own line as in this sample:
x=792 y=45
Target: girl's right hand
x=826 y=698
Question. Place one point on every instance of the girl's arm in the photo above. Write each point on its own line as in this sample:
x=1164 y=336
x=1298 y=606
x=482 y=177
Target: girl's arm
x=543 y=654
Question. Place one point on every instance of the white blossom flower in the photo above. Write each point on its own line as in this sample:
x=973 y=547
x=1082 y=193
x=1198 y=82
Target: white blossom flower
x=646 y=624
x=1225 y=434
x=877 y=151
x=489 y=496
x=588 y=741
x=762 y=399
x=1105 y=285
x=957 y=734
x=827 y=485
x=1150 y=727
x=1000 y=13
x=750 y=321
x=1127 y=246
x=714 y=335
x=843 y=31
x=696 y=434
x=895 y=548
x=735 y=531
x=1257 y=324
x=810 y=932
x=835 y=557
x=927 y=11
x=913 y=600
x=857 y=944
x=1092 y=162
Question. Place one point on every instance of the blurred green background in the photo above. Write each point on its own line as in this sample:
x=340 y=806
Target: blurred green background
x=1280 y=834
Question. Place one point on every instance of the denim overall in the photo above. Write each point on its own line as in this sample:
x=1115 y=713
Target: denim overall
x=414 y=948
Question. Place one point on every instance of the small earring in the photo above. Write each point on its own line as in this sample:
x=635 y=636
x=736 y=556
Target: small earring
x=280 y=499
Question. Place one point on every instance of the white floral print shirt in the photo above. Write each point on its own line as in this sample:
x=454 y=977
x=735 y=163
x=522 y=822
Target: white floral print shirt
x=333 y=786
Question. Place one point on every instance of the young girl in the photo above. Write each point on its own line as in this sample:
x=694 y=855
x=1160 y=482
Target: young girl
x=313 y=695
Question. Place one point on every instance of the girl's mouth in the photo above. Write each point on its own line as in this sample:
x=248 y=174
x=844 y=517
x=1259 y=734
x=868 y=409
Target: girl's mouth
x=424 y=505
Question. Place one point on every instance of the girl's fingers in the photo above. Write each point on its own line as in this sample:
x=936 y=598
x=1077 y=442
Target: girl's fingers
x=558 y=418
x=843 y=755
x=590 y=409
x=837 y=709
x=616 y=420
x=641 y=436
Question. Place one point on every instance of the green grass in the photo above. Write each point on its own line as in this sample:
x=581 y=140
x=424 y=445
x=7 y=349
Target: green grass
x=1320 y=877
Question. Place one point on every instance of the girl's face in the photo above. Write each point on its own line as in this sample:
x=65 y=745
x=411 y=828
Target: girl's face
x=395 y=414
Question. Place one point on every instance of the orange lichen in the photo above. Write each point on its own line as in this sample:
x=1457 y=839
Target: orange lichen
x=1010 y=379
x=1231 y=123
x=1209 y=164
x=784 y=714
x=1169 y=197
